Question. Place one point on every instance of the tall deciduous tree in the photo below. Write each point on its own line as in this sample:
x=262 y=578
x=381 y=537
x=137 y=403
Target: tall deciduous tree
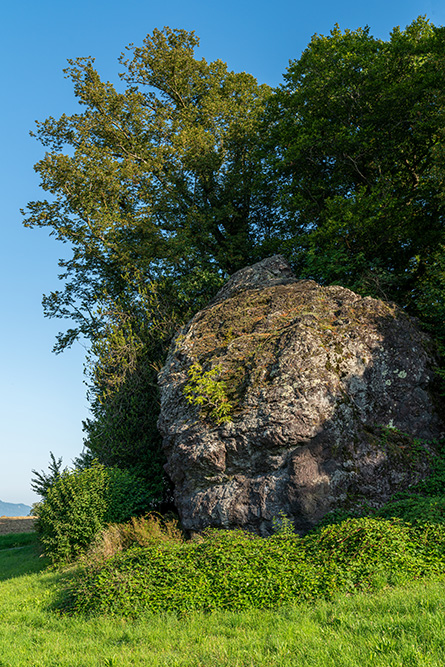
x=356 y=143
x=158 y=180
x=191 y=171
x=154 y=187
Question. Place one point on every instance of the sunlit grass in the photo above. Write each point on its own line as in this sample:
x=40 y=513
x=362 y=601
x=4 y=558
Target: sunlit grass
x=398 y=627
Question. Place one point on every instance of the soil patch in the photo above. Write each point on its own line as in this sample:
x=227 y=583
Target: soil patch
x=16 y=524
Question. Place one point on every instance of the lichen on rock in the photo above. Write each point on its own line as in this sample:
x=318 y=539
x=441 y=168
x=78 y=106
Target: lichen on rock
x=320 y=382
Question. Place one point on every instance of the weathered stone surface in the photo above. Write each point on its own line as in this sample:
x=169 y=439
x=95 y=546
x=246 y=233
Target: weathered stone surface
x=318 y=378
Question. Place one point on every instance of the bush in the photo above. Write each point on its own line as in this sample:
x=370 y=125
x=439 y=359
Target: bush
x=368 y=553
x=416 y=509
x=42 y=481
x=127 y=495
x=80 y=503
x=225 y=570
x=434 y=484
x=234 y=570
x=421 y=502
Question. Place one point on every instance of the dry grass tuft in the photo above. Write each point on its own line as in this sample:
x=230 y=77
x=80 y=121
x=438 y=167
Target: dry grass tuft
x=140 y=531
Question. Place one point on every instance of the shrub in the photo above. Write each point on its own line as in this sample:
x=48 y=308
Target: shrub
x=424 y=501
x=234 y=570
x=80 y=503
x=416 y=509
x=368 y=553
x=208 y=392
x=434 y=484
x=224 y=570
x=43 y=481
x=127 y=495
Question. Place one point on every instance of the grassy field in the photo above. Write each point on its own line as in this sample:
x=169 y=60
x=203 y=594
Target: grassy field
x=399 y=627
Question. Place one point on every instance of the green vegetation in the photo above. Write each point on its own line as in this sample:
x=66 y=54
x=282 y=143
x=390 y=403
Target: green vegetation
x=234 y=571
x=43 y=481
x=416 y=509
x=80 y=503
x=401 y=626
x=20 y=555
x=122 y=364
x=154 y=188
x=206 y=391
x=13 y=540
x=434 y=485
x=148 y=566
x=162 y=191
x=356 y=136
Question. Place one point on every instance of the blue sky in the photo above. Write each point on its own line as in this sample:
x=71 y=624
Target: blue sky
x=42 y=396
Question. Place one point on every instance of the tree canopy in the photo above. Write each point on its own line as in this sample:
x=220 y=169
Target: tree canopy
x=356 y=137
x=155 y=181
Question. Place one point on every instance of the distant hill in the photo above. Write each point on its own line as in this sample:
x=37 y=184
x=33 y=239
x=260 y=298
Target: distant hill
x=14 y=509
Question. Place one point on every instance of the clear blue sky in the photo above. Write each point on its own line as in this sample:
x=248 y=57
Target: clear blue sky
x=42 y=396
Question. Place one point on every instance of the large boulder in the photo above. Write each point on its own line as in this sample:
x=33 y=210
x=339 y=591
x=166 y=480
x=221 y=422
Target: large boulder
x=285 y=396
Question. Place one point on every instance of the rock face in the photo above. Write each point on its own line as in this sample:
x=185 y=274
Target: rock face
x=329 y=393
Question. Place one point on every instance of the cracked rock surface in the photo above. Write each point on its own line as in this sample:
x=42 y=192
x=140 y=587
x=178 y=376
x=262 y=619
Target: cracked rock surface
x=330 y=394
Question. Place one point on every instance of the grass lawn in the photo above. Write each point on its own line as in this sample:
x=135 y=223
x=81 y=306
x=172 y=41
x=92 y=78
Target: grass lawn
x=403 y=627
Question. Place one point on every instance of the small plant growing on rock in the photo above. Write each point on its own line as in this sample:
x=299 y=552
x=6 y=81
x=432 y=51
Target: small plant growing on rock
x=205 y=390
x=283 y=525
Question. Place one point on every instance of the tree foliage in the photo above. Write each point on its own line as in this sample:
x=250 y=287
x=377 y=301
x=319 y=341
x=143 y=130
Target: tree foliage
x=80 y=503
x=207 y=391
x=123 y=392
x=43 y=481
x=156 y=181
x=356 y=142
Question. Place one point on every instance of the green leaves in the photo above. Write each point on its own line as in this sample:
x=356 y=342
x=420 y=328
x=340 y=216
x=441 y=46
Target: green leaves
x=81 y=502
x=205 y=390
x=154 y=188
x=354 y=135
x=234 y=570
x=158 y=177
x=185 y=172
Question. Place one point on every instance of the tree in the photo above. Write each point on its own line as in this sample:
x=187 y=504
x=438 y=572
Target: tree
x=155 y=189
x=355 y=141
x=189 y=172
x=43 y=481
x=123 y=391
x=157 y=182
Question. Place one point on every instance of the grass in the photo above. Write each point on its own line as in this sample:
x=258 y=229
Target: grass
x=16 y=540
x=19 y=555
x=394 y=628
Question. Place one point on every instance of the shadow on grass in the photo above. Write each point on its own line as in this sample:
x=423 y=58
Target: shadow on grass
x=17 y=540
x=20 y=554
